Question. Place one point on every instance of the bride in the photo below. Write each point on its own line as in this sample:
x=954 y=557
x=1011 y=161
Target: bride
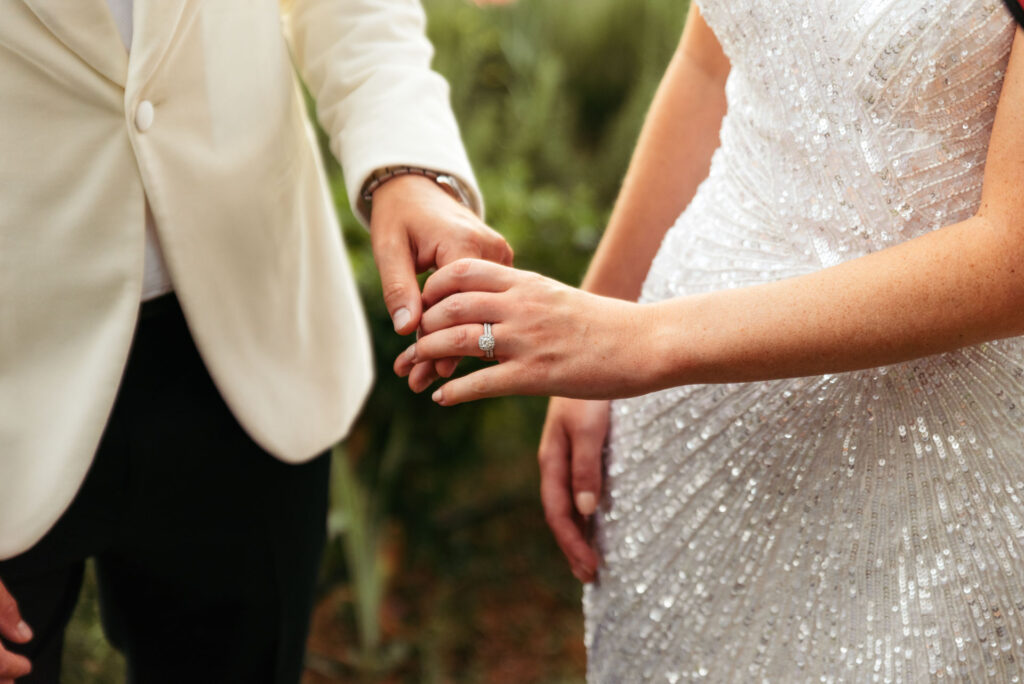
x=820 y=473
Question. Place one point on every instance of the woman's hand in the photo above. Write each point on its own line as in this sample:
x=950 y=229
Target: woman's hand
x=551 y=339
x=570 y=476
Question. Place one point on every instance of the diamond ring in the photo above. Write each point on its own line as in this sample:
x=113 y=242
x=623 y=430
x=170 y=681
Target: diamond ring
x=486 y=342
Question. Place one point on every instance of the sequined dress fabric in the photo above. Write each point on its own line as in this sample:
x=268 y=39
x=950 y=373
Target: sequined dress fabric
x=857 y=527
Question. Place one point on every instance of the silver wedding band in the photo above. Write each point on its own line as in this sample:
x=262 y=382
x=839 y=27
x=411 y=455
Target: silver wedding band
x=486 y=342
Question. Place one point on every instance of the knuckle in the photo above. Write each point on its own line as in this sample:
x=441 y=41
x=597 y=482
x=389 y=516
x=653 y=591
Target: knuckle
x=588 y=431
x=394 y=290
x=471 y=246
x=461 y=338
x=548 y=457
x=478 y=386
x=462 y=266
x=452 y=307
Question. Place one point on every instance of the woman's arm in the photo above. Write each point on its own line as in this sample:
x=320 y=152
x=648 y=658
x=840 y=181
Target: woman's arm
x=957 y=286
x=671 y=159
x=954 y=287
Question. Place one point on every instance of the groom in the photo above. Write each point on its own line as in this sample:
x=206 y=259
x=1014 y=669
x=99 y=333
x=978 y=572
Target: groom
x=180 y=334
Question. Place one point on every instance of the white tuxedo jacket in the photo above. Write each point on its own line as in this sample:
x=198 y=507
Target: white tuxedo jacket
x=225 y=155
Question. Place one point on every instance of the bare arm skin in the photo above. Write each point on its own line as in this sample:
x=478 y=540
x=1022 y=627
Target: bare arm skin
x=957 y=286
x=672 y=157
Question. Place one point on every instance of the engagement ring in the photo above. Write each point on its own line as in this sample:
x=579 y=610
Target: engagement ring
x=486 y=342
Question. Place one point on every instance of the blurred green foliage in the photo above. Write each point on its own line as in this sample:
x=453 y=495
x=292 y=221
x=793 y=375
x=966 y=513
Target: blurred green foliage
x=436 y=521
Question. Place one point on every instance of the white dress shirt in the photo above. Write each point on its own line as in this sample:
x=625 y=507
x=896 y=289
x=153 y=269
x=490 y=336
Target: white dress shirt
x=156 y=280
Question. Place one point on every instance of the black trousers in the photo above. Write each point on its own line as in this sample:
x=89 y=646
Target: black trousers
x=206 y=547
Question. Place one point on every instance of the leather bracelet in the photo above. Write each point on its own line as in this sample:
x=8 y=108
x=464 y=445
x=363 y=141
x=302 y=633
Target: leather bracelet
x=448 y=183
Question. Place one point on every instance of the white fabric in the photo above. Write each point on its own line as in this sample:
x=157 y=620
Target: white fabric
x=122 y=12
x=156 y=280
x=853 y=527
x=231 y=169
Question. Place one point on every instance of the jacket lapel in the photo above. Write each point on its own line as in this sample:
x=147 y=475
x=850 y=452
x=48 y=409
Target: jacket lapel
x=156 y=24
x=87 y=28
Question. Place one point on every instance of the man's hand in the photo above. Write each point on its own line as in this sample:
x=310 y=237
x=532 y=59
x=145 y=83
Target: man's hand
x=414 y=226
x=570 y=476
x=12 y=628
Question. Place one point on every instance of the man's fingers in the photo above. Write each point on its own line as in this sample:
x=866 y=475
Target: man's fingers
x=397 y=269
x=11 y=625
x=497 y=249
x=454 y=250
x=421 y=376
x=13 y=665
x=484 y=243
x=445 y=367
x=467 y=275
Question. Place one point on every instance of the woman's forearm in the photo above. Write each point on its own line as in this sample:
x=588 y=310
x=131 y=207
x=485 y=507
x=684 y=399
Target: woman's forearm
x=671 y=159
x=953 y=287
x=961 y=285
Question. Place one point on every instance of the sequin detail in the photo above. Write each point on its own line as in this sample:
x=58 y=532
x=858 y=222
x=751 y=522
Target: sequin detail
x=858 y=527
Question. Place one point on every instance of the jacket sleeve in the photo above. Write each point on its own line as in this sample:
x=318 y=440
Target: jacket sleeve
x=367 y=65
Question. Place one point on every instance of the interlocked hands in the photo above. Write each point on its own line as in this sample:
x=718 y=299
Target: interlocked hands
x=551 y=339
x=416 y=226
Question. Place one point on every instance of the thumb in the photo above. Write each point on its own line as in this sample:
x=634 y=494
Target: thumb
x=11 y=624
x=398 y=282
x=586 y=470
x=587 y=425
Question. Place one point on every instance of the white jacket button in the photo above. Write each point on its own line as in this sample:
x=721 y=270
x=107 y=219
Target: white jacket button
x=144 y=116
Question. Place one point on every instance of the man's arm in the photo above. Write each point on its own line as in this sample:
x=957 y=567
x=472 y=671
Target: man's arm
x=367 y=64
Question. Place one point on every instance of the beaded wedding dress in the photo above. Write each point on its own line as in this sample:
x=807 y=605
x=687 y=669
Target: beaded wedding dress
x=864 y=526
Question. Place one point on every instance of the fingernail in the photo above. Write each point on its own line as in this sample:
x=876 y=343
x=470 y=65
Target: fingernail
x=23 y=630
x=586 y=503
x=401 y=318
x=436 y=396
x=410 y=353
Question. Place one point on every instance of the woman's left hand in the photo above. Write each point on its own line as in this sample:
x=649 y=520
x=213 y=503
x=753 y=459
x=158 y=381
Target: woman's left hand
x=550 y=339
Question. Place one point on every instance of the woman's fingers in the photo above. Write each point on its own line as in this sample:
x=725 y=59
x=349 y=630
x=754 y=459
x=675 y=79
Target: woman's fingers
x=587 y=430
x=567 y=527
x=498 y=380
x=463 y=307
x=457 y=341
x=467 y=275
